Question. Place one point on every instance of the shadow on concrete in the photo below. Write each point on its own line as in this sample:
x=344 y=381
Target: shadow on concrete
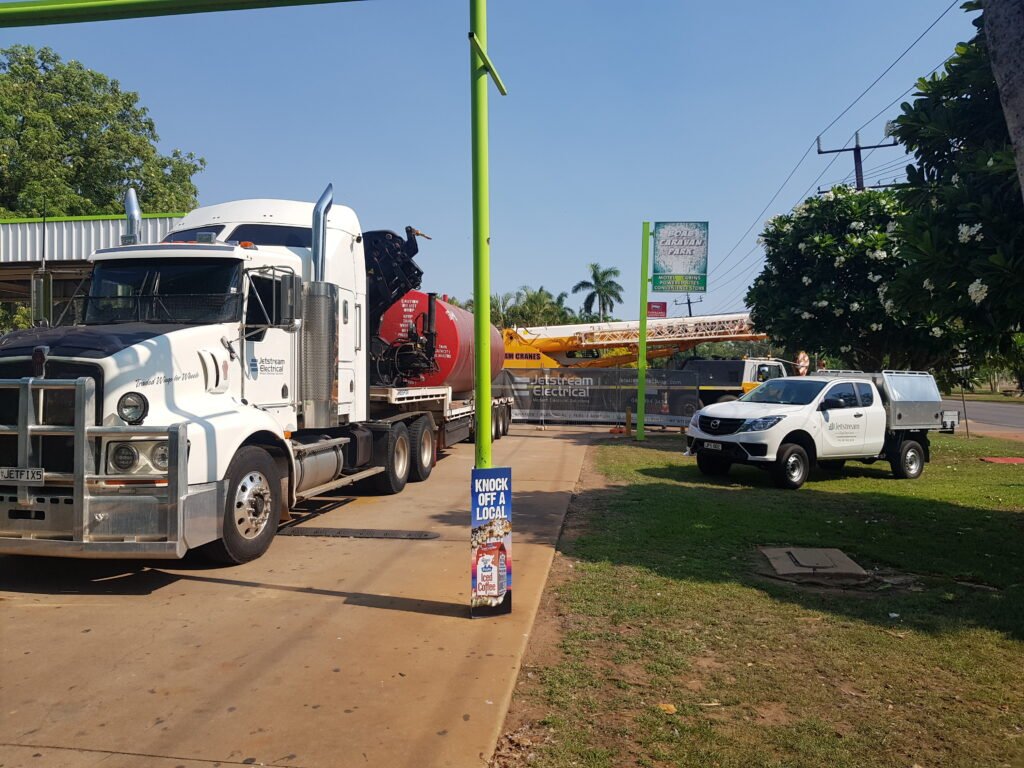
x=50 y=576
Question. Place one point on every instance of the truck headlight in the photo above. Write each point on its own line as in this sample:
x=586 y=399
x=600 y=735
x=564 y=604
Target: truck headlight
x=160 y=456
x=133 y=407
x=124 y=457
x=761 y=424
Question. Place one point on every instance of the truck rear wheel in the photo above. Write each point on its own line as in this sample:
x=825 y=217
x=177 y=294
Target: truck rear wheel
x=506 y=418
x=791 y=466
x=909 y=461
x=392 y=451
x=421 y=438
x=251 y=510
x=495 y=424
x=711 y=465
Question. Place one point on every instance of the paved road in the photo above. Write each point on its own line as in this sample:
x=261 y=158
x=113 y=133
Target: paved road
x=325 y=653
x=1001 y=419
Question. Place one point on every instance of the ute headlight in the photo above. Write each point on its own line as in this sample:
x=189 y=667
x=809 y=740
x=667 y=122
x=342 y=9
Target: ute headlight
x=761 y=424
x=124 y=457
x=160 y=456
x=133 y=407
x=695 y=421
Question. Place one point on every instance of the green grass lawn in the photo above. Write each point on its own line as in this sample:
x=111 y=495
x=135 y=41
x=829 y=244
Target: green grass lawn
x=668 y=602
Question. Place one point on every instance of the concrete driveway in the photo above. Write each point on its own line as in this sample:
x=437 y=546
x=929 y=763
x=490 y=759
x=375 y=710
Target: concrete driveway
x=325 y=653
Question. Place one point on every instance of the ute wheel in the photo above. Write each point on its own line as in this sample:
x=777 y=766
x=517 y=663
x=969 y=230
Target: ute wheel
x=421 y=439
x=392 y=451
x=251 y=510
x=712 y=465
x=832 y=465
x=909 y=461
x=791 y=466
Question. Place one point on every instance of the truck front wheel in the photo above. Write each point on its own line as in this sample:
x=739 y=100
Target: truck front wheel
x=909 y=461
x=392 y=451
x=712 y=465
x=791 y=466
x=251 y=509
x=421 y=438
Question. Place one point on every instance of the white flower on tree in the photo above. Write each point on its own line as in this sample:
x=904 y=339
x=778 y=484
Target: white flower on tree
x=977 y=291
x=838 y=311
x=806 y=280
x=856 y=226
x=876 y=326
x=966 y=232
x=928 y=285
x=806 y=315
x=873 y=277
x=936 y=332
x=855 y=307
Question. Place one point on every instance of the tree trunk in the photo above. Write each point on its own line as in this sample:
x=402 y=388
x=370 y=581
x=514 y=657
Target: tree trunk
x=1004 y=33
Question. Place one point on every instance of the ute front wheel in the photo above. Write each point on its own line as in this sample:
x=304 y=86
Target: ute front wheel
x=252 y=508
x=421 y=438
x=711 y=465
x=791 y=466
x=392 y=450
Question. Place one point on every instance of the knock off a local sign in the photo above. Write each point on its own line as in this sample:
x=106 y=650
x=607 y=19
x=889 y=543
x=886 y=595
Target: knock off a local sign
x=491 y=542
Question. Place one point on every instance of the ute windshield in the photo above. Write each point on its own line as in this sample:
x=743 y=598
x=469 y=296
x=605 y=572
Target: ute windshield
x=175 y=291
x=785 y=392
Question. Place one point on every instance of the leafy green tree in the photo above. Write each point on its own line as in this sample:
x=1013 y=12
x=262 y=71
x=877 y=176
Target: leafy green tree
x=964 y=225
x=824 y=287
x=71 y=139
x=14 y=316
x=539 y=307
x=601 y=289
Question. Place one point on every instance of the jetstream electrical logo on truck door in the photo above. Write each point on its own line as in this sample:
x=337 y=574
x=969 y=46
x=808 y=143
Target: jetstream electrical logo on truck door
x=562 y=386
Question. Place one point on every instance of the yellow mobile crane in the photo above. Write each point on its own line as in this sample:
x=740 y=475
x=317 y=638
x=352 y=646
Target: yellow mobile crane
x=576 y=346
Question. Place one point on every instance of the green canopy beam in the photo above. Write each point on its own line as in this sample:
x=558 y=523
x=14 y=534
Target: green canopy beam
x=30 y=13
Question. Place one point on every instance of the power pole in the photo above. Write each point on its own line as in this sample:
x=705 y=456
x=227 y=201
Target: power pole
x=858 y=161
x=689 y=303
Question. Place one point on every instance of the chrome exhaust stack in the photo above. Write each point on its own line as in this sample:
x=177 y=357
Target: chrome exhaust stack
x=318 y=386
x=133 y=214
x=320 y=211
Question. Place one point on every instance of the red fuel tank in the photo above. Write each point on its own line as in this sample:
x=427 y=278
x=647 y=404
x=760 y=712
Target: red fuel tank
x=454 y=340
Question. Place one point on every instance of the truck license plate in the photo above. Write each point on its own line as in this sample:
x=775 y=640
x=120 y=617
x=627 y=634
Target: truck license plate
x=18 y=475
x=713 y=446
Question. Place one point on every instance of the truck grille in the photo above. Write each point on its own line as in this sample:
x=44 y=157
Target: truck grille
x=58 y=410
x=712 y=425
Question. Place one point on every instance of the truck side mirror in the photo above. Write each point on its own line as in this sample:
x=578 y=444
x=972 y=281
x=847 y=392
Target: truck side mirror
x=291 y=302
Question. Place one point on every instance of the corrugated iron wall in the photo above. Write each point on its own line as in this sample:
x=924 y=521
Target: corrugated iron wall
x=72 y=240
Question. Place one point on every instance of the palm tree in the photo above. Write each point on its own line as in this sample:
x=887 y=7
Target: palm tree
x=501 y=309
x=602 y=289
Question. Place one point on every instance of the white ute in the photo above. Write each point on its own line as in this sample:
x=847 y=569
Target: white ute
x=787 y=425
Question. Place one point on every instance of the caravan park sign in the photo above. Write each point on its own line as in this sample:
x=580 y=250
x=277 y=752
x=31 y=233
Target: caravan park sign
x=680 y=257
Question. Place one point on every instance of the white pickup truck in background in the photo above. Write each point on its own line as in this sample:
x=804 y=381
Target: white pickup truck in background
x=789 y=424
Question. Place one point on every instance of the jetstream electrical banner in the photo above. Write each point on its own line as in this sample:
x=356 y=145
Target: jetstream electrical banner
x=598 y=396
x=491 y=542
x=680 y=257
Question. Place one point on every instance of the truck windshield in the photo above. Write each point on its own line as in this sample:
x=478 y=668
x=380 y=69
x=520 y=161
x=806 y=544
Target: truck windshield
x=189 y=291
x=785 y=392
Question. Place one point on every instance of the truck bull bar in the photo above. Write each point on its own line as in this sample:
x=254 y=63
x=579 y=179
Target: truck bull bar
x=106 y=515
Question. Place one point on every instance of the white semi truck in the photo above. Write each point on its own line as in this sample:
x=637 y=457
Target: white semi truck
x=206 y=384
x=789 y=424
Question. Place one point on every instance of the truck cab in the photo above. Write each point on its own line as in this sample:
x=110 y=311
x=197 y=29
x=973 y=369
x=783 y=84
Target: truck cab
x=787 y=425
x=725 y=380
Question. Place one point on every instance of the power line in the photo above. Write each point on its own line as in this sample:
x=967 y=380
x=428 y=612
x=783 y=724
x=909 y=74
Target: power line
x=803 y=157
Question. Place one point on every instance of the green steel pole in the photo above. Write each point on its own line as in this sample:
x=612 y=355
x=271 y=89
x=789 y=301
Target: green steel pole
x=29 y=13
x=641 y=358
x=478 y=74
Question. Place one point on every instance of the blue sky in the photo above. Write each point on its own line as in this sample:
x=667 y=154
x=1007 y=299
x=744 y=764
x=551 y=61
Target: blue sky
x=617 y=112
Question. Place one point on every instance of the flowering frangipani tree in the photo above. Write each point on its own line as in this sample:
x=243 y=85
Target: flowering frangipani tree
x=963 y=232
x=825 y=284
